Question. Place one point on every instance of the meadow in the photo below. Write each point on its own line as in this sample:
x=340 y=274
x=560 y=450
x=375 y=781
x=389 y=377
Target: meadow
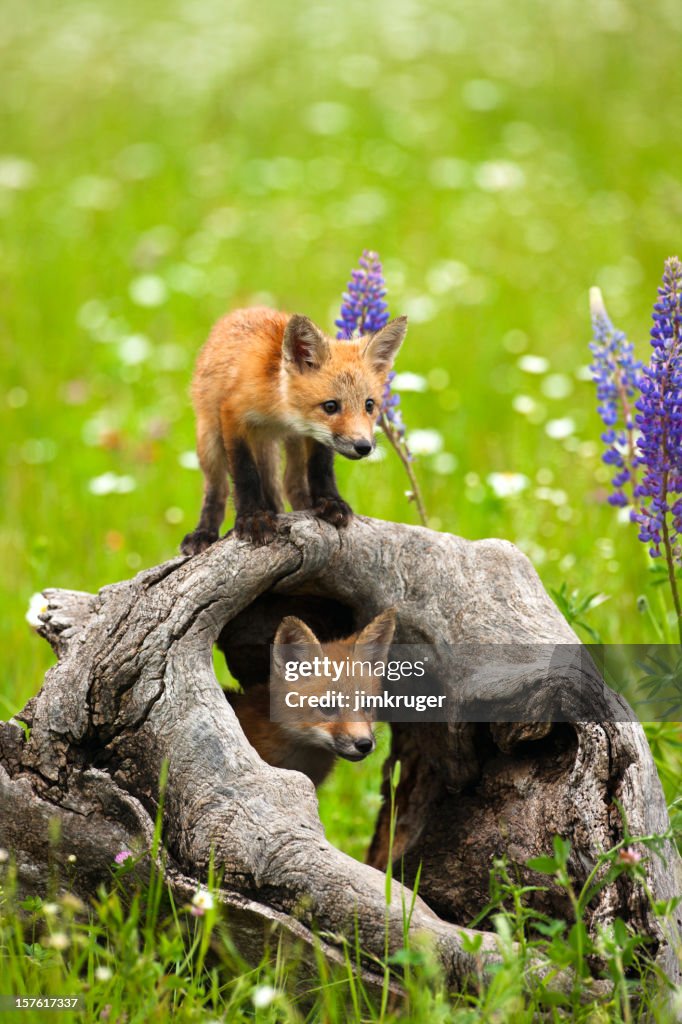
x=162 y=163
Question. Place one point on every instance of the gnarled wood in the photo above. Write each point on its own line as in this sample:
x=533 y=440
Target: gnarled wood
x=134 y=687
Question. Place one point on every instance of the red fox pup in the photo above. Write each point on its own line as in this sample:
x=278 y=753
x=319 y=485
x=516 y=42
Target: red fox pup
x=263 y=378
x=304 y=739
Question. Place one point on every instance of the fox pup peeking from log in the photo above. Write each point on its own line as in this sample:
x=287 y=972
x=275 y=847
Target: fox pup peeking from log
x=309 y=740
x=262 y=378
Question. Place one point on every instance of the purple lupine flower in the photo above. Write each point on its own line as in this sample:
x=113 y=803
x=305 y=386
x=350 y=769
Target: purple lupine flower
x=659 y=419
x=617 y=375
x=390 y=400
x=364 y=310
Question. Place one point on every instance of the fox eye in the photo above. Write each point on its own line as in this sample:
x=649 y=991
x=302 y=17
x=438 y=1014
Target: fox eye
x=330 y=407
x=329 y=712
x=369 y=405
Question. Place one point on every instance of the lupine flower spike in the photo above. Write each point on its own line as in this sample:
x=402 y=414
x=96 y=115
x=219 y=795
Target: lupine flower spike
x=617 y=375
x=659 y=418
x=364 y=310
x=645 y=446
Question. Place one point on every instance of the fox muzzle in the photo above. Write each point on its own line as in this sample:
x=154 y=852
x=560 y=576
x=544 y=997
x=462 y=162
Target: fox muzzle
x=354 y=448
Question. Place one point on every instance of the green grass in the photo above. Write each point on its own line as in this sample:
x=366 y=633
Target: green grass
x=135 y=954
x=501 y=158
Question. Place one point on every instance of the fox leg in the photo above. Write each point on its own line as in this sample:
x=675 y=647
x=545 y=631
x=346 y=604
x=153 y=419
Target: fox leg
x=254 y=503
x=213 y=462
x=327 y=503
x=296 y=474
x=267 y=456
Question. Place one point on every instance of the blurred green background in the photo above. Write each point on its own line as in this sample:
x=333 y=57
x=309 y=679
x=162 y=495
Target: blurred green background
x=162 y=162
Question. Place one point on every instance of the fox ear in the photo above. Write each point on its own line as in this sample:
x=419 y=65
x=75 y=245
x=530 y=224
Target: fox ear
x=382 y=348
x=375 y=639
x=299 y=641
x=304 y=345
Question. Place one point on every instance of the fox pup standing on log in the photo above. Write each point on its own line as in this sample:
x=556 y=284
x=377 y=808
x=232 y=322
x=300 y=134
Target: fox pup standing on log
x=305 y=739
x=263 y=378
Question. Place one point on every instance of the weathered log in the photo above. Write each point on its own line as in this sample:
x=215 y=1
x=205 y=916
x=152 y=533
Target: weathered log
x=134 y=687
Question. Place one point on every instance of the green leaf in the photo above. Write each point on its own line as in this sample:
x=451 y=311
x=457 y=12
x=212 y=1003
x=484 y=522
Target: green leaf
x=663 y=908
x=551 y=929
x=562 y=849
x=545 y=865
x=472 y=944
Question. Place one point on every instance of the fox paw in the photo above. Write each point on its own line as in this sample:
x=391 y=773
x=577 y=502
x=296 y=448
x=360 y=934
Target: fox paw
x=258 y=527
x=196 y=542
x=333 y=510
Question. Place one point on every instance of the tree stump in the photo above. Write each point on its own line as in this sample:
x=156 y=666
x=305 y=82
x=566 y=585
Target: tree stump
x=134 y=687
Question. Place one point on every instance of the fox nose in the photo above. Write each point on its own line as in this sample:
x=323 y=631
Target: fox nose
x=362 y=447
x=364 y=746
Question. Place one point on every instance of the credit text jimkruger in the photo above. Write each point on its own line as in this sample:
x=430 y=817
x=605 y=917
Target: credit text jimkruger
x=329 y=671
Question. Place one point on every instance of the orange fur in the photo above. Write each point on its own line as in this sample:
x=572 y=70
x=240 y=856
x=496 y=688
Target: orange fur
x=263 y=378
x=307 y=741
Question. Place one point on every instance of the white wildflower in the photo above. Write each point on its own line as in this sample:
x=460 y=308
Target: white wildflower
x=263 y=996
x=37 y=606
x=533 y=364
x=507 y=485
x=111 y=483
x=409 y=382
x=201 y=902
x=134 y=349
x=524 y=404
x=148 y=290
x=425 y=442
x=560 y=429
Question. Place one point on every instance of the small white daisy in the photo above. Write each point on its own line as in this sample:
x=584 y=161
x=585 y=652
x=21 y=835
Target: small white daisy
x=263 y=996
x=425 y=442
x=201 y=902
x=408 y=382
x=37 y=606
x=507 y=485
x=533 y=364
x=560 y=429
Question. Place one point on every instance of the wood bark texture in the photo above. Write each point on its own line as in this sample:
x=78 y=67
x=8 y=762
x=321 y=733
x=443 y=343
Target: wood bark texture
x=134 y=687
